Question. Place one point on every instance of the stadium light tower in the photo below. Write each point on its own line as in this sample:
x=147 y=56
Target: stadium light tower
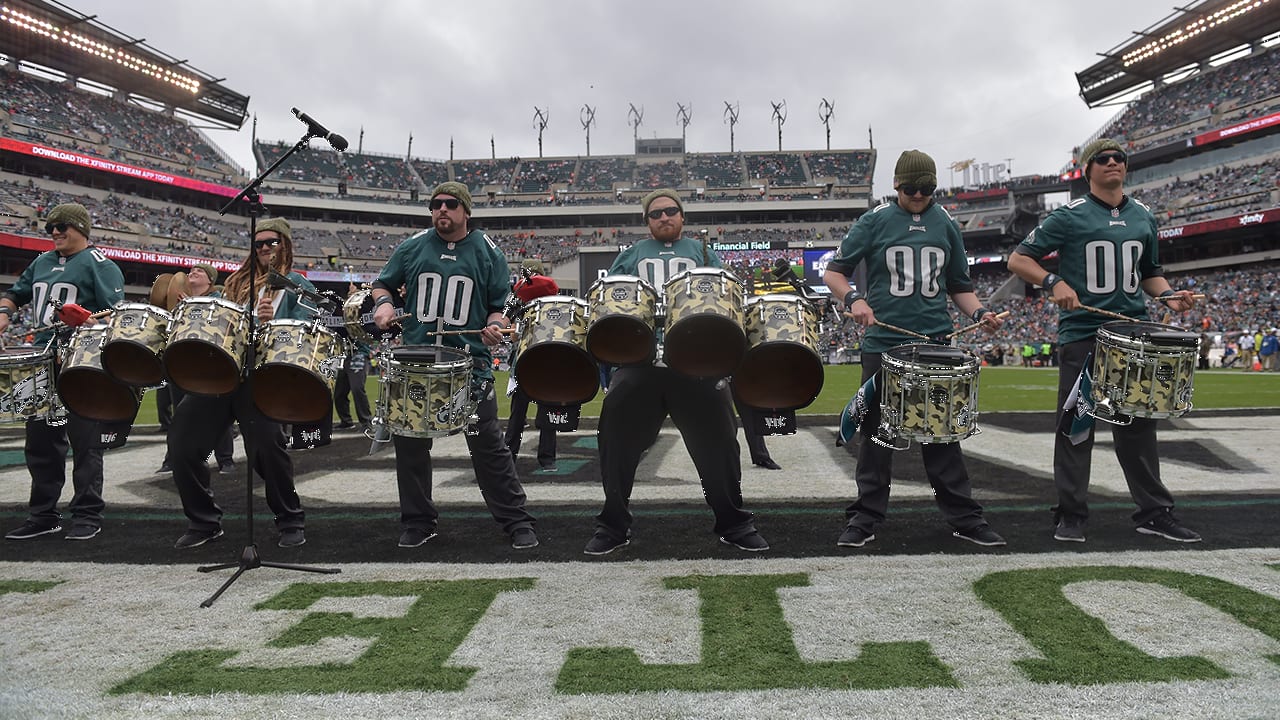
x=540 y=118
x=731 y=117
x=780 y=117
x=825 y=111
x=635 y=118
x=683 y=115
x=588 y=118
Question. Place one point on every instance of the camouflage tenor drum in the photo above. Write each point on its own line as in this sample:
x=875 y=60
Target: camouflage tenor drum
x=621 y=330
x=553 y=365
x=1142 y=369
x=357 y=317
x=207 y=342
x=782 y=369
x=297 y=365
x=134 y=344
x=27 y=386
x=425 y=391
x=929 y=393
x=86 y=389
x=703 y=335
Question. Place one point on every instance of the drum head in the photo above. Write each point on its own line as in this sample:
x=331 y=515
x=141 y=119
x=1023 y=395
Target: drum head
x=705 y=346
x=779 y=376
x=930 y=354
x=557 y=373
x=428 y=355
x=94 y=395
x=160 y=290
x=132 y=364
x=621 y=341
x=291 y=394
x=200 y=368
x=1154 y=333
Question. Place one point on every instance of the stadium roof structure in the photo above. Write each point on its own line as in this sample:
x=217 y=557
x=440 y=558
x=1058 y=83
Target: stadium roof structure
x=53 y=35
x=1191 y=35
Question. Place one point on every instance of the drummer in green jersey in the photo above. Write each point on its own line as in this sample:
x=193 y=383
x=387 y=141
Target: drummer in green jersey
x=1107 y=259
x=915 y=261
x=73 y=272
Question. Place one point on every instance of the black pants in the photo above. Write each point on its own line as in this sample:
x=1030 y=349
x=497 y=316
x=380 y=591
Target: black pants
x=198 y=422
x=495 y=474
x=943 y=465
x=223 y=450
x=638 y=400
x=46 y=454
x=350 y=382
x=755 y=441
x=516 y=422
x=1135 y=447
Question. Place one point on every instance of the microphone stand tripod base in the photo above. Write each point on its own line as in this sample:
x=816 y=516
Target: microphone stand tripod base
x=250 y=559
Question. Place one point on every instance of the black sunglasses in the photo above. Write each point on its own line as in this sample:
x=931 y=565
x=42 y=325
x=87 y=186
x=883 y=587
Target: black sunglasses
x=913 y=189
x=257 y=244
x=60 y=227
x=437 y=203
x=671 y=211
x=1106 y=158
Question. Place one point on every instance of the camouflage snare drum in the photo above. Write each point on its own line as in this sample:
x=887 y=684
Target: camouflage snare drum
x=929 y=393
x=207 y=342
x=1143 y=369
x=623 y=312
x=357 y=317
x=27 y=386
x=425 y=391
x=86 y=388
x=553 y=365
x=134 y=344
x=782 y=369
x=297 y=363
x=703 y=335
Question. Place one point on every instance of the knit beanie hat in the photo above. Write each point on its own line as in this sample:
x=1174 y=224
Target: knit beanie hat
x=1096 y=147
x=73 y=214
x=209 y=270
x=915 y=168
x=664 y=192
x=280 y=225
x=455 y=189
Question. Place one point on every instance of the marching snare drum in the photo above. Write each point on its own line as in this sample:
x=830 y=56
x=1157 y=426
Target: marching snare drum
x=425 y=391
x=782 y=369
x=27 y=386
x=297 y=364
x=137 y=336
x=929 y=393
x=86 y=388
x=703 y=335
x=207 y=342
x=1143 y=369
x=357 y=317
x=621 y=330
x=553 y=365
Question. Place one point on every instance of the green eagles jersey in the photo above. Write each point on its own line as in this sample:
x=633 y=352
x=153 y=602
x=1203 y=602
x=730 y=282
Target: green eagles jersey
x=914 y=263
x=449 y=286
x=656 y=262
x=88 y=278
x=1104 y=254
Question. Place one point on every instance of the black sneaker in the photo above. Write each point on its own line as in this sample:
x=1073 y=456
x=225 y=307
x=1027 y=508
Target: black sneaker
x=31 y=529
x=854 y=536
x=1168 y=528
x=981 y=535
x=751 y=542
x=603 y=543
x=414 y=537
x=1069 y=530
x=226 y=467
x=196 y=538
x=767 y=464
x=292 y=537
x=164 y=468
x=524 y=538
x=345 y=424
x=82 y=532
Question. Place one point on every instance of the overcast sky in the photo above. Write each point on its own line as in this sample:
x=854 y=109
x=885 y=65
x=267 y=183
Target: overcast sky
x=978 y=79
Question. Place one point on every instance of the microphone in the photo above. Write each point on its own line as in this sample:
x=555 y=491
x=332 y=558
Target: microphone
x=338 y=142
x=280 y=282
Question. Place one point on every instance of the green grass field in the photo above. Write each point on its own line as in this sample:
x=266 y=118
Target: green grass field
x=1001 y=389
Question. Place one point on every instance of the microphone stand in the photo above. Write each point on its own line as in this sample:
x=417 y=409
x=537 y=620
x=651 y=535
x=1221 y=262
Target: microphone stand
x=250 y=559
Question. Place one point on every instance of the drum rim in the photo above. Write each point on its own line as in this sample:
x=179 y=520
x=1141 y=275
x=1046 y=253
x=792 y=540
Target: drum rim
x=968 y=356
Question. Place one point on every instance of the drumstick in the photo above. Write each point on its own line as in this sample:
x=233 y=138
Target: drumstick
x=894 y=328
x=504 y=331
x=967 y=328
x=1167 y=298
x=1108 y=313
